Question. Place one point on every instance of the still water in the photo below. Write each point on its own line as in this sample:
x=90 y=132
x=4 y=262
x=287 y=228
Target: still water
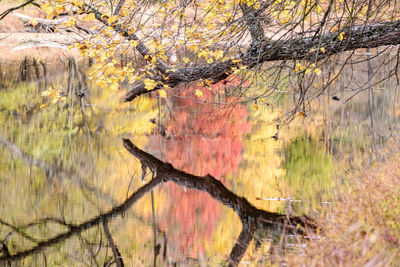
x=73 y=193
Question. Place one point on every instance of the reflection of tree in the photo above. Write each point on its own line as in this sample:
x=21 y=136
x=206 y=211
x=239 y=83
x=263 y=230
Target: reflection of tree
x=166 y=172
x=308 y=170
x=202 y=139
x=53 y=171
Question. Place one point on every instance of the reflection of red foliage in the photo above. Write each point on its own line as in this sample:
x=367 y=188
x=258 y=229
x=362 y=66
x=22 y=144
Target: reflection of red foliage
x=203 y=138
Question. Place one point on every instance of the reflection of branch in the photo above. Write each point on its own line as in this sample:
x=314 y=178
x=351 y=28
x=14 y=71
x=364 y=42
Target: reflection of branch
x=18 y=231
x=117 y=256
x=52 y=170
x=242 y=243
x=216 y=189
x=78 y=228
x=250 y=215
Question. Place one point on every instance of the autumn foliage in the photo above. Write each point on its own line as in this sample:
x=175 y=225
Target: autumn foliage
x=201 y=138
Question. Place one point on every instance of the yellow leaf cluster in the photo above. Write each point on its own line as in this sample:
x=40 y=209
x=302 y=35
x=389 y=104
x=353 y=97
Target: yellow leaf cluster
x=71 y=22
x=89 y=17
x=199 y=93
x=342 y=36
x=162 y=93
x=112 y=19
x=55 y=96
x=307 y=68
x=149 y=84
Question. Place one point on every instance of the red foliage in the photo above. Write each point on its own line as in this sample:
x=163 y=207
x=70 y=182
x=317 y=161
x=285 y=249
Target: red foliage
x=202 y=138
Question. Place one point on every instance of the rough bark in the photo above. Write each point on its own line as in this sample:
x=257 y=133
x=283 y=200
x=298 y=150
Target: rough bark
x=356 y=37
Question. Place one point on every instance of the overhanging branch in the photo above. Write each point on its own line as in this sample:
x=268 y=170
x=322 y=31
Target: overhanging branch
x=141 y=48
x=356 y=37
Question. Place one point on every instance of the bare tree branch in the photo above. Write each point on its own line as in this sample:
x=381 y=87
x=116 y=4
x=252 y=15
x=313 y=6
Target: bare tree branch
x=370 y=36
x=8 y=11
x=76 y=229
x=118 y=7
x=141 y=48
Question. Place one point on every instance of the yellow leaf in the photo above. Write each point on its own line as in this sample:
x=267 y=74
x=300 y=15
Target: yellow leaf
x=341 y=36
x=43 y=106
x=151 y=59
x=208 y=82
x=112 y=19
x=302 y=114
x=162 y=93
x=317 y=71
x=149 y=84
x=322 y=49
x=218 y=54
x=254 y=106
x=297 y=68
x=134 y=43
x=77 y=3
x=199 y=93
x=71 y=22
x=193 y=47
x=308 y=70
x=203 y=53
x=186 y=60
x=89 y=17
x=334 y=29
x=114 y=86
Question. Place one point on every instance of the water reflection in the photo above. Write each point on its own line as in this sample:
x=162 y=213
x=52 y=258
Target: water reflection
x=308 y=173
x=200 y=138
x=77 y=161
x=65 y=175
x=251 y=217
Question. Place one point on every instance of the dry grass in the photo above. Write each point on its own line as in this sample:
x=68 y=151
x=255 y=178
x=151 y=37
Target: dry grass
x=363 y=226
